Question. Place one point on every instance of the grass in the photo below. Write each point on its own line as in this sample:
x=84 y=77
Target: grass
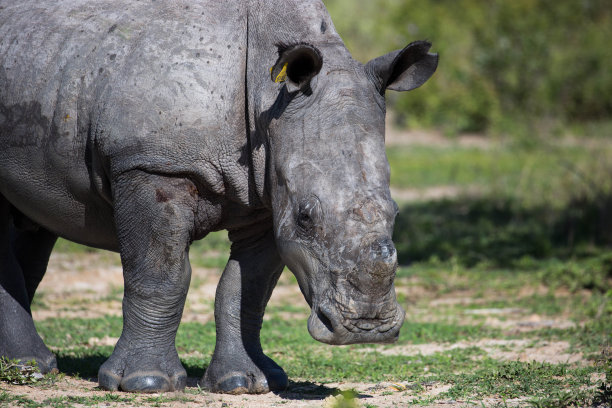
x=545 y=167
x=211 y=252
x=512 y=380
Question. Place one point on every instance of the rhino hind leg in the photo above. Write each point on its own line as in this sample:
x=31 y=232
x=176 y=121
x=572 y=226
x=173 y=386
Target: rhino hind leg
x=23 y=261
x=154 y=218
x=238 y=364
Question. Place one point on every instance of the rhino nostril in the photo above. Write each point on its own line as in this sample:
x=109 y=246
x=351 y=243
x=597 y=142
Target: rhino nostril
x=322 y=314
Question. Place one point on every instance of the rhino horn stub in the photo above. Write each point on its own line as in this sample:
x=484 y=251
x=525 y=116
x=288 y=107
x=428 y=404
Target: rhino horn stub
x=297 y=64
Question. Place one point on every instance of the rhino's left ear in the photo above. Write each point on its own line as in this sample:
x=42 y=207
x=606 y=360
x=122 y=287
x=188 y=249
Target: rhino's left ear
x=403 y=70
x=297 y=64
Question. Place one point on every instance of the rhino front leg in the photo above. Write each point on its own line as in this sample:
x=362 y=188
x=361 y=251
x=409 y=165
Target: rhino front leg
x=238 y=364
x=154 y=217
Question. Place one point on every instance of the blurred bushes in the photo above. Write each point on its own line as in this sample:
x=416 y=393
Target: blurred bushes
x=505 y=65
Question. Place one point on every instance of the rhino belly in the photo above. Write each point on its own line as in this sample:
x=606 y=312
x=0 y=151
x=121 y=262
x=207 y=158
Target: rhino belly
x=51 y=185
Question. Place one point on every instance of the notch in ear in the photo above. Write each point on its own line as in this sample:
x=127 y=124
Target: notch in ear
x=403 y=70
x=297 y=64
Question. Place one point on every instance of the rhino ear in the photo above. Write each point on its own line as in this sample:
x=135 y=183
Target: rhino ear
x=403 y=70
x=297 y=64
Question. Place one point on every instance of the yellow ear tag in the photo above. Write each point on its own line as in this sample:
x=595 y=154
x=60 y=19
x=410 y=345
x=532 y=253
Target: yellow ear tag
x=282 y=76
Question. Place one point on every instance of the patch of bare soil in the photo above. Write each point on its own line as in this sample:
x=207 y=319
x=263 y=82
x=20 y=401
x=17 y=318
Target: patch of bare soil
x=511 y=320
x=434 y=193
x=395 y=136
x=554 y=352
x=402 y=137
x=530 y=323
x=85 y=285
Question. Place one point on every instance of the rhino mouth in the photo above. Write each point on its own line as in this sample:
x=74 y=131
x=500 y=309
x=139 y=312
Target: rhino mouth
x=342 y=315
x=336 y=323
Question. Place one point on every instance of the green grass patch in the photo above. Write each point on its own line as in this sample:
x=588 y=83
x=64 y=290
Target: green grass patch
x=63 y=333
x=351 y=363
x=574 y=275
x=212 y=251
x=104 y=399
x=515 y=379
x=584 y=286
x=542 y=168
x=9 y=400
x=421 y=333
x=69 y=247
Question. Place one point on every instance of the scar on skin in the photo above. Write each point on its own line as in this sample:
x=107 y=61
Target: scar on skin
x=161 y=196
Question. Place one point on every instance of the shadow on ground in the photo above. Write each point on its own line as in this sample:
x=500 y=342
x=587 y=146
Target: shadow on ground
x=88 y=366
x=306 y=390
x=502 y=231
x=85 y=366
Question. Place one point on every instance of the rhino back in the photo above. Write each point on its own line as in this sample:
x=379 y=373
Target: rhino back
x=89 y=90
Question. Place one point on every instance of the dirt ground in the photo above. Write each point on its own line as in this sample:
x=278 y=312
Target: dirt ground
x=79 y=286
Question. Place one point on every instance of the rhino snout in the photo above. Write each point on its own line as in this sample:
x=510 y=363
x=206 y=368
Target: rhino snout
x=328 y=325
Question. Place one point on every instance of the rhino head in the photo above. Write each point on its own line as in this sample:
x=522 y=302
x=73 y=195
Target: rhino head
x=327 y=182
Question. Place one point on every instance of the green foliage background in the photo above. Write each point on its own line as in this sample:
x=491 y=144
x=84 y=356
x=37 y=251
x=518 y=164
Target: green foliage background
x=504 y=66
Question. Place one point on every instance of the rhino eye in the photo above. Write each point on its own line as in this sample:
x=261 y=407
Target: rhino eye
x=307 y=215
x=304 y=221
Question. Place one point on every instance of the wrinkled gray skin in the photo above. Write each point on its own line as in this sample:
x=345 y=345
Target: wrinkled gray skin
x=140 y=127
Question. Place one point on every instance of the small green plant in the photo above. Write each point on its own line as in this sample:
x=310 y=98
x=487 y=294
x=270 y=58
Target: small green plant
x=343 y=399
x=15 y=372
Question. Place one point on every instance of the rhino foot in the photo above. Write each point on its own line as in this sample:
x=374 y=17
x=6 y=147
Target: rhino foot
x=45 y=363
x=142 y=372
x=242 y=376
x=29 y=346
x=18 y=337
